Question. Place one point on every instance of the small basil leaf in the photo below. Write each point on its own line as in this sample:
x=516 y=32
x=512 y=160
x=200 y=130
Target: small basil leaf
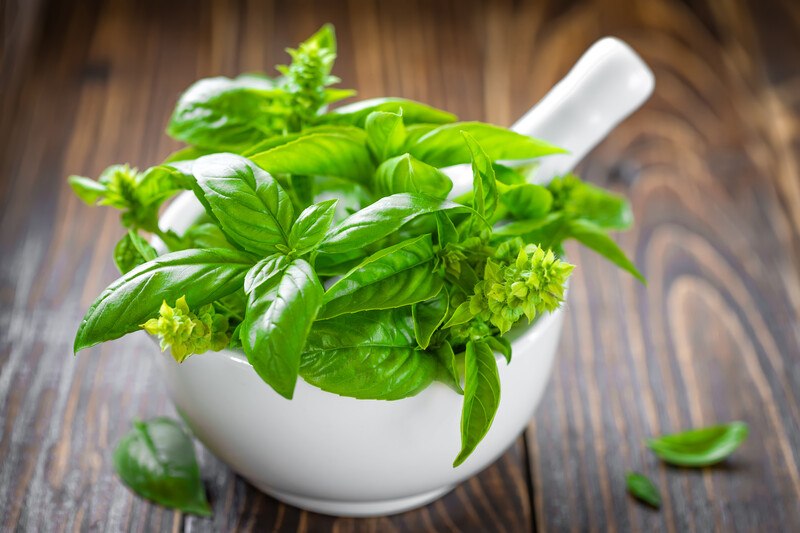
x=603 y=208
x=87 y=189
x=444 y=146
x=404 y=173
x=278 y=140
x=641 y=488
x=311 y=226
x=400 y=275
x=187 y=153
x=446 y=230
x=508 y=175
x=369 y=355
x=278 y=318
x=428 y=316
x=386 y=134
x=382 y=218
x=132 y=251
x=413 y=112
x=447 y=361
x=320 y=154
x=484 y=186
x=500 y=345
x=224 y=114
x=158 y=183
x=461 y=315
x=251 y=207
x=524 y=227
x=481 y=397
x=205 y=235
x=156 y=460
x=267 y=271
x=203 y=276
x=594 y=237
x=700 y=447
x=527 y=200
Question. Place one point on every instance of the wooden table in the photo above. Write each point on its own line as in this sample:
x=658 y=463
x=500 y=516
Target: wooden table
x=710 y=164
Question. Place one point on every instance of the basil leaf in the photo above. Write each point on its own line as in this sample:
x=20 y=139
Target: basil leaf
x=311 y=226
x=131 y=251
x=484 y=186
x=382 y=218
x=268 y=271
x=400 y=275
x=500 y=345
x=369 y=355
x=187 y=153
x=700 y=447
x=224 y=114
x=158 y=183
x=446 y=230
x=481 y=397
x=203 y=276
x=251 y=207
x=320 y=154
x=413 y=112
x=87 y=189
x=386 y=134
x=280 y=312
x=524 y=227
x=603 y=208
x=156 y=460
x=641 y=488
x=278 y=140
x=594 y=237
x=444 y=146
x=428 y=316
x=461 y=315
x=527 y=200
x=404 y=173
x=205 y=235
x=449 y=369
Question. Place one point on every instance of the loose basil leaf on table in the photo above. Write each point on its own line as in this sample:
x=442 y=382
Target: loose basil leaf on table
x=413 y=112
x=386 y=134
x=203 y=276
x=444 y=146
x=481 y=397
x=368 y=355
x=405 y=173
x=224 y=114
x=311 y=226
x=641 y=488
x=595 y=238
x=280 y=312
x=131 y=251
x=700 y=447
x=320 y=154
x=251 y=207
x=156 y=460
x=382 y=218
x=428 y=316
x=400 y=275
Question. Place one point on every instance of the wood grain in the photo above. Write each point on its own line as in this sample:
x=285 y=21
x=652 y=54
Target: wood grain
x=710 y=164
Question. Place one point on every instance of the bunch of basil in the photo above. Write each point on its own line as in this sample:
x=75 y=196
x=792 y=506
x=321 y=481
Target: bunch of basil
x=297 y=197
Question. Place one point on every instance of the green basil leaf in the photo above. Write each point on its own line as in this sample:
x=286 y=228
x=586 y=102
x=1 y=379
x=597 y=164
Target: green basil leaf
x=156 y=460
x=444 y=146
x=382 y=218
x=400 y=275
x=251 y=207
x=203 y=276
x=187 y=153
x=500 y=345
x=278 y=140
x=158 y=183
x=603 y=208
x=87 y=189
x=641 y=488
x=320 y=154
x=132 y=251
x=594 y=237
x=413 y=112
x=481 y=397
x=527 y=200
x=311 y=226
x=386 y=134
x=508 y=175
x=205 y=235
x=224 y=114
x=461 y=315
x=267 y=271
x=404 y=173
x=524 y=227
x=369 y=355
x=279 y=316
x=449 y=368
x=446 y=230
x=700 y=447
x=484 y=186
x=428 y=316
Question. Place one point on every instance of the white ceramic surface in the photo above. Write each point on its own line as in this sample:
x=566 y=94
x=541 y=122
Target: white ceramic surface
x=342 y=456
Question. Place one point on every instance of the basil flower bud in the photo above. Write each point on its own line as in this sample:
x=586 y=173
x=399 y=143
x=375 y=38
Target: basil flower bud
x=186 y=332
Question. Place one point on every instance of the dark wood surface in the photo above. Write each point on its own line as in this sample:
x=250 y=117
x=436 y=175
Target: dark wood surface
x=710 y=164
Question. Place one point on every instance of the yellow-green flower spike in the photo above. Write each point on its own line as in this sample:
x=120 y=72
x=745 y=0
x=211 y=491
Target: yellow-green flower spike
x=185 y=332
x=533 y=283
